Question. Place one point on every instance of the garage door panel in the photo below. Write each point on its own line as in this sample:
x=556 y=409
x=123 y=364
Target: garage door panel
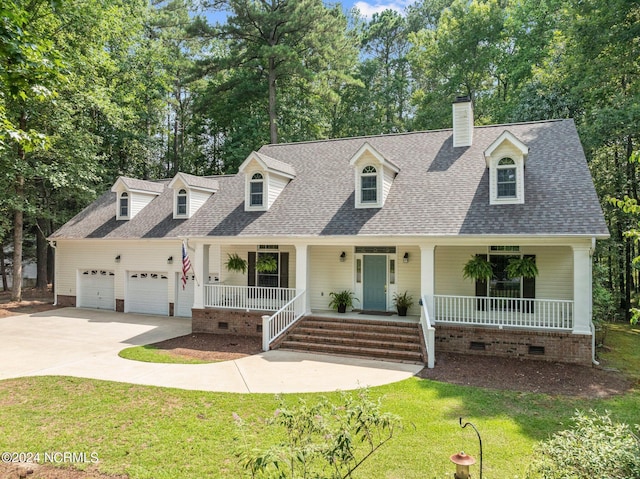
x=147 y=293
x=96 y=289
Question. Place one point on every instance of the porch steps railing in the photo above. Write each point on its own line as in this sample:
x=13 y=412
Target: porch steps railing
x=428 y=333
x=385 y=340
x=276 y=325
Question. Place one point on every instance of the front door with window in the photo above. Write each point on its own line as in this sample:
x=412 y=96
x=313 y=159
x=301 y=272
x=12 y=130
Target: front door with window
x=374 y=283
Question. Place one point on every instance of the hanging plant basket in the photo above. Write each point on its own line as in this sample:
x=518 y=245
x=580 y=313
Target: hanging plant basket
x=478 y=268
x=524 y=267
x=236 y=263
x=266 y=264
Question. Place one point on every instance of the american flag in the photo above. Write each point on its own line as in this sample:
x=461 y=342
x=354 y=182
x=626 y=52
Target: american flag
x=186 y=264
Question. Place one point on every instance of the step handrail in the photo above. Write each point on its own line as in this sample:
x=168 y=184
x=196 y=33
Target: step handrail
x=428 y=332
x=282 y=320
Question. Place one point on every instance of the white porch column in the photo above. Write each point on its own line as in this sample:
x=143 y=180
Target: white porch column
x=581 y=290
x=302 y=273
x=198 y=270
x=428 y=276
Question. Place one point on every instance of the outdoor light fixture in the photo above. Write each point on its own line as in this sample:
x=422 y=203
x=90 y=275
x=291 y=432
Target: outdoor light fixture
x=170 y=260
x=405 y=258
x=343 y=257
x=118 y=259
x=462 y=462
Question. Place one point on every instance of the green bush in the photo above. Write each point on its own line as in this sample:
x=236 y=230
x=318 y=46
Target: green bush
x=595 y=447
x=323 y=440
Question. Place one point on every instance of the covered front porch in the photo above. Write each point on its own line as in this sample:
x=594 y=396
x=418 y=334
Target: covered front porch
x=430 y=273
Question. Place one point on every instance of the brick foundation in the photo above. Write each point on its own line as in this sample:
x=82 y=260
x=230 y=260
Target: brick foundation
x=120 y=305
x=532 y=345
x=227 y=321
x=66 y=301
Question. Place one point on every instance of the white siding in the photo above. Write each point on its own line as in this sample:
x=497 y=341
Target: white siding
x=408 y=276
x=328 y=274
x=138 y=202
x=462 y=124
x=388 y=176
x=555 y=266
x=196 y=200
x=275 y=184
x=100 y=254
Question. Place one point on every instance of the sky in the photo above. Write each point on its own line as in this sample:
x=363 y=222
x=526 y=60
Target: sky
x=367 y=9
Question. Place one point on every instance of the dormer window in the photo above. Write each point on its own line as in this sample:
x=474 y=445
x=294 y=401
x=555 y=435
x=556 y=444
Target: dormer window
x=181 y=203
x=124 y=205
x=506 y=158
x=369 y=185
x=256 y=193
x=506 y=181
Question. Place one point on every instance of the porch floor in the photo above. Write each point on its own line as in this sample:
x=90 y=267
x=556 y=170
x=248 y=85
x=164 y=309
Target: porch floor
x=319 y=313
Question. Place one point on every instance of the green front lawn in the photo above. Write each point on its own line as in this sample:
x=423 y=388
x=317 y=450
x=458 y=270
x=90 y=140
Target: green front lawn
x=151 y=354
x=149 y=432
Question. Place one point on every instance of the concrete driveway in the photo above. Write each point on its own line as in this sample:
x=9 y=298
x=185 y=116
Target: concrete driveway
x=85 y=343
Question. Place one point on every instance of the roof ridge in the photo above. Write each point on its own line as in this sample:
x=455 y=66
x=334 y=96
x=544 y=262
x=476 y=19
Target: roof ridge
x=406 y=133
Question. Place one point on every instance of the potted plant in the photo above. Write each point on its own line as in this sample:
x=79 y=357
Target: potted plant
x=524 y=267
x=403 y=302
x=342 y=300
x=236 y=263
x=266 y=264
x=478 y=268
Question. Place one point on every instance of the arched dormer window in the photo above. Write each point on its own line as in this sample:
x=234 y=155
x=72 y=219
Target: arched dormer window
x=369 y=185
x=181 y=203
x=256 y=190
x=124 y=205
x=507 y=178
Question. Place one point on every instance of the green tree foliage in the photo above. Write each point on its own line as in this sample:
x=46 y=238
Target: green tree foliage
x=594 y=447
x=320 y=440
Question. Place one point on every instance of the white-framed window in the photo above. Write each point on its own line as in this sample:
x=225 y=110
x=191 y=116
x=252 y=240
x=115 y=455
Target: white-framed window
x=181 y=203
x=256 y=190
x=506 y=181
x=369 y=185
x=123 y=207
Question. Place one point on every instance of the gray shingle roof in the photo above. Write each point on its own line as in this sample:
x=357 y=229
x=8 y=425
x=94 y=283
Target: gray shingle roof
x=276 y=165
x=202 y=182
x=142 y=185
x=440 y=191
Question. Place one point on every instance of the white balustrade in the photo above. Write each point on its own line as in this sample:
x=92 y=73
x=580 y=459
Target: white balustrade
x=256 y=298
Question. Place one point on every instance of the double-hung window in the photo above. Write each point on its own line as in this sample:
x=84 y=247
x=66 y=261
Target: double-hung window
x=124 y=205
x=256 y=190
x=181 y=203
x=507 y=179
x=369 y=185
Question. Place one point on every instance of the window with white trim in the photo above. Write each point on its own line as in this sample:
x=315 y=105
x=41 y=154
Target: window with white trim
x=181 y=203
x=506 y=181
x=369 y=185
x=256 y=190
x=124 y=205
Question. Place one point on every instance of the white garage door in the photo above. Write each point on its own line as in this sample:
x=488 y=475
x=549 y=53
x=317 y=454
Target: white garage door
x=147 y=293
x=184 y=297
x=96 y=289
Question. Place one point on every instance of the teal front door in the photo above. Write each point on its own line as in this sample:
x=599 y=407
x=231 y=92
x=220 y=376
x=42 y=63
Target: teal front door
x=374 y=283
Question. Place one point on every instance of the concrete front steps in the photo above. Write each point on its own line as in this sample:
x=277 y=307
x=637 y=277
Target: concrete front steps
x=384 y=340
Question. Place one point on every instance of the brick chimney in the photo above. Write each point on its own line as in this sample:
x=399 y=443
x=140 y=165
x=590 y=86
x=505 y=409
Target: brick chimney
x=462 y=121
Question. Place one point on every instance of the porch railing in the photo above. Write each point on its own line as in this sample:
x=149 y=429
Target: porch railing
x=428 y=332
x=274 y=326
x=505 y=312
x=247 y=297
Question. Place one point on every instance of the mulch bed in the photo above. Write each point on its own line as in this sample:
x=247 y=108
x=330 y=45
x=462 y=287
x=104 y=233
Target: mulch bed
x=212 y=347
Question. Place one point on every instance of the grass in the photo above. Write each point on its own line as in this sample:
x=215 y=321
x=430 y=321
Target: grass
x=151 y=354
x=150 y=432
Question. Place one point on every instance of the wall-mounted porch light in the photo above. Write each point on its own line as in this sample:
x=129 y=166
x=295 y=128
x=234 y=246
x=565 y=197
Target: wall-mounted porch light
x=462 y=462
x=170 y=260
x=405 y=258
x=343 y=257
x=118 y=259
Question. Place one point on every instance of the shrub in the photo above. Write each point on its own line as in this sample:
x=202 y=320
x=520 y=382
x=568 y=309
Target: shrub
x=595 y=447
x=323 y=440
